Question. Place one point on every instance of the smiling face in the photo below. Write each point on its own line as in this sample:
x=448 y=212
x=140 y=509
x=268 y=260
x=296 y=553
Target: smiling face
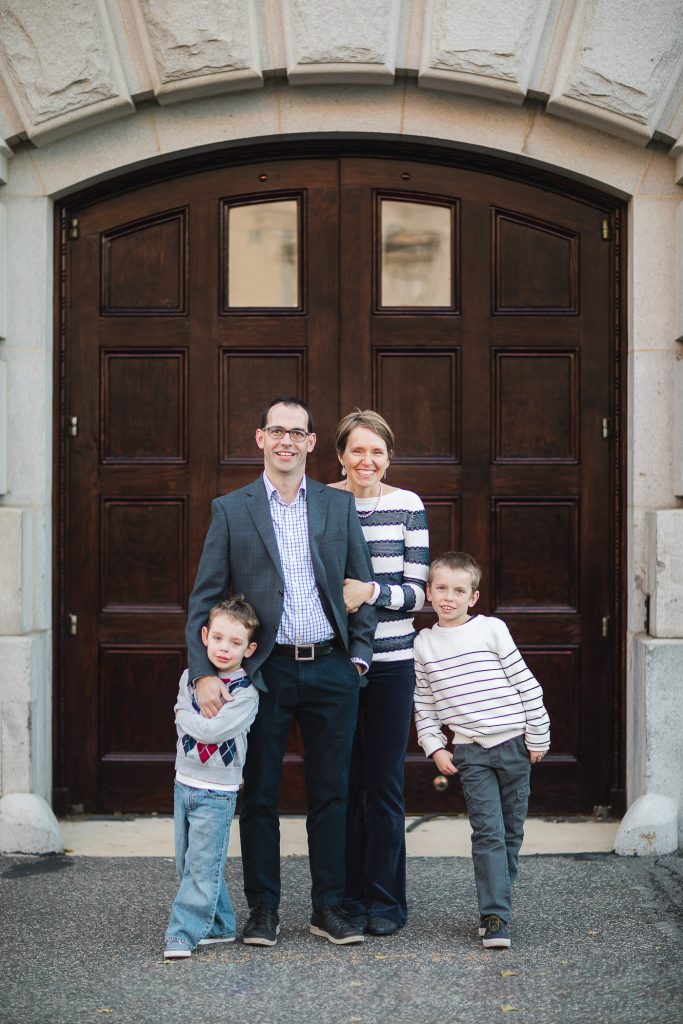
x=366 y=459
x=285 y=460
x=451 y=595
x=227 y=642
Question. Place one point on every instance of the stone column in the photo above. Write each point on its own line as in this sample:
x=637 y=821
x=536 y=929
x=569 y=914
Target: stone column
x=27 y=824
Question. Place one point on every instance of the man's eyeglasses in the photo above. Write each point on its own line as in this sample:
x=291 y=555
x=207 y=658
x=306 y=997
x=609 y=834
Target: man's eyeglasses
x=296 y=435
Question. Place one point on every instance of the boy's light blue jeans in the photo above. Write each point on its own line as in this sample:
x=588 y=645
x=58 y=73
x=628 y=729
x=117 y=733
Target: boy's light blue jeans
x=496 y=787
x=202 y=908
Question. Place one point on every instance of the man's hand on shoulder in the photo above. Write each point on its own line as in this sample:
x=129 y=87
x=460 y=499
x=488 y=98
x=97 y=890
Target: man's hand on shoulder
x=211 y=694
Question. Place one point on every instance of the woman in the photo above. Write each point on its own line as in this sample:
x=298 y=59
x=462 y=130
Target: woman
x=395 y=528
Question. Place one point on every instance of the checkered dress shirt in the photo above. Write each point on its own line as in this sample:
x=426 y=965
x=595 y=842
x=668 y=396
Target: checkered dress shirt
x=303 y=619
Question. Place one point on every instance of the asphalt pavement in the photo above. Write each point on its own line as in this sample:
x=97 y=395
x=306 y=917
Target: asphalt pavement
x=595 y=938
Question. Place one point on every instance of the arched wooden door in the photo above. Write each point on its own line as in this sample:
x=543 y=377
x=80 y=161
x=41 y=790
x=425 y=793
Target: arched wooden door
x=471 y=310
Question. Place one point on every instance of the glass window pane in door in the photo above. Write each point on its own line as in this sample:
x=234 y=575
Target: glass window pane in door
x=417 y=254
x=263 y=255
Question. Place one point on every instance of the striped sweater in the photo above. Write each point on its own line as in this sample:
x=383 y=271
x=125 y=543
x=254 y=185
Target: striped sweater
x=397 y=538
x=473 y=679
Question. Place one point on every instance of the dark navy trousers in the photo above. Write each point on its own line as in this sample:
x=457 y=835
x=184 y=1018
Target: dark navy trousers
x=375 y=835
x=322 y=696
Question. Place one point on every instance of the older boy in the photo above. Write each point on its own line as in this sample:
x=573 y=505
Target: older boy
x=471 y=677
x=209 y=762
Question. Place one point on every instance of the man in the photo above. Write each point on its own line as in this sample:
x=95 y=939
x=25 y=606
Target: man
x=288 y=543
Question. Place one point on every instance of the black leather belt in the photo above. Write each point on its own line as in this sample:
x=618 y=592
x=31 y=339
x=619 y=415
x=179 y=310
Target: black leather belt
x=305 y=652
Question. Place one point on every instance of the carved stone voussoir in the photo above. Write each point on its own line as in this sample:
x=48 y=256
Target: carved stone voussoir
x=60 y=65
x=200 y=48
x=352 y=42
x=621 y=68
x=485 y=48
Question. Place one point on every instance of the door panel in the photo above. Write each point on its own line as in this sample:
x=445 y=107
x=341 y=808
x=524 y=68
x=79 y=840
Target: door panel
x=471 y=310
x=497 y=405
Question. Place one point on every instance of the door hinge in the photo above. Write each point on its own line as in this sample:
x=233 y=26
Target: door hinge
x=606 y=229
x=73 y=229
x=73 y=624
x=605 y=426
x=605 y=625
x=73 y=426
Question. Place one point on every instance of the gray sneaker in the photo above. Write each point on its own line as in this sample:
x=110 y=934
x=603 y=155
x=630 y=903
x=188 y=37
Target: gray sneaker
x=496 y=934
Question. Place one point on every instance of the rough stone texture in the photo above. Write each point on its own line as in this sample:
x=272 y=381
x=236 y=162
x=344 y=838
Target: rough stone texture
x=654 y=738
x=665 y=562
x=25 y=715
x=15 y=588
x=3 y=271
x=28 y=825
x=333 y=42
x=67 y=64
x=621 y=59
x=15 y=746
x=3 y=427
x=59 y=58
x=199 y=48
x=483 y=47
x=649 y=828
x=678 y=427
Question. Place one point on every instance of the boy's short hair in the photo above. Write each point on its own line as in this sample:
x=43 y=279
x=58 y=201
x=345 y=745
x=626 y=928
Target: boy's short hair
x=237 y=608
x=457 y=560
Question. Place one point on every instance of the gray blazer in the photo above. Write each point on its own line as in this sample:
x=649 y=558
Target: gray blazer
x=241 y=556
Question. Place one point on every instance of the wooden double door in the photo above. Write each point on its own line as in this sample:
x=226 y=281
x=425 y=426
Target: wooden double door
x=472 y=311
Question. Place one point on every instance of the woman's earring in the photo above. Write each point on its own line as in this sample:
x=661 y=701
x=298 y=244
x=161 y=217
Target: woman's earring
x=343 y=469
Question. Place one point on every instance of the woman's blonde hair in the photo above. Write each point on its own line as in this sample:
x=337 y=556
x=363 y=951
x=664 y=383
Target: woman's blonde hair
x=367 y=418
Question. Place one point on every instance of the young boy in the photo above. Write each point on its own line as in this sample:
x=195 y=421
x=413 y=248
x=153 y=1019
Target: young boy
x=471 y=677
x=209 y=762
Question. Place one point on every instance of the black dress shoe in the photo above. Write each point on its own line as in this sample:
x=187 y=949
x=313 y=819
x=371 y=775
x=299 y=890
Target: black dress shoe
x=334 y=924
x=381 y=926
x=262 y=927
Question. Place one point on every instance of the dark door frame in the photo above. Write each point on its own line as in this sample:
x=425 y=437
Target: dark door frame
x=614 y=227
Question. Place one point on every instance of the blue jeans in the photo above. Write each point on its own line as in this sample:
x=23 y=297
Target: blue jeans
x=375 y=830
x=202 y=907
x=496 y=787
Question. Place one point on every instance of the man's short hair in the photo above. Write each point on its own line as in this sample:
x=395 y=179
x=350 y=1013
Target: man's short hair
x=457 y=560
x=287 y=400
x=237 y=608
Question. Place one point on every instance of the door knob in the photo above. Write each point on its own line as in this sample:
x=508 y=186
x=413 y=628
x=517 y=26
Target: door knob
x=440 y=783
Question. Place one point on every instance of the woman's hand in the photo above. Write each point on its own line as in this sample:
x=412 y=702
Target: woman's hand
x=356 y=593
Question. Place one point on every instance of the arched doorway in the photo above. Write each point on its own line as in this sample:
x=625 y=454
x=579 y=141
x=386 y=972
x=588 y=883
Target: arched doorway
x=473 y=310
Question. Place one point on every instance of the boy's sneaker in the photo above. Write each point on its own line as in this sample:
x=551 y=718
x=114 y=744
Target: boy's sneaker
x=262 y=927
x=482 y=927
x=176 y=950
x=214 y=939
x=334 y=924
x=496 y=934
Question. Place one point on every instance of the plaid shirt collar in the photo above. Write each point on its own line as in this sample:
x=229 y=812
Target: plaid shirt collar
x=271 y=489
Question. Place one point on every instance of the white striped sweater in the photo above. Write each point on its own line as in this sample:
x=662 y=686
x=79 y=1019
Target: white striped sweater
x=398 y=541
x=473 y=679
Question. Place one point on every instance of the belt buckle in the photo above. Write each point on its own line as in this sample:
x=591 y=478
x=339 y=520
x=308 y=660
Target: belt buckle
x=304 y=657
